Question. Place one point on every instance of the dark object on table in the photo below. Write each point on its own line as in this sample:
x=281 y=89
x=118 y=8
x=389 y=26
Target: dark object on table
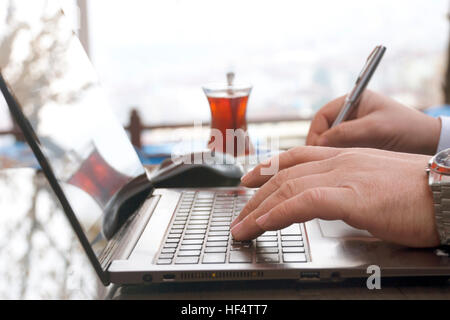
x=204 y=169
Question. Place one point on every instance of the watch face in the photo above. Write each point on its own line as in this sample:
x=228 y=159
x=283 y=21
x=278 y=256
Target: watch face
x=443 y=158
x=441 y=163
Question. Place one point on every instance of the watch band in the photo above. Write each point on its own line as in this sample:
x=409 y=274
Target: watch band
x=441 y=201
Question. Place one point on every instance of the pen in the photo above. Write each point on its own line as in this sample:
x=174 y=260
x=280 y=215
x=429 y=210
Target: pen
x=352 y=100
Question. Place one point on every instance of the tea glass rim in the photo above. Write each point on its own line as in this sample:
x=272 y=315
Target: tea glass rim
x=214 y=87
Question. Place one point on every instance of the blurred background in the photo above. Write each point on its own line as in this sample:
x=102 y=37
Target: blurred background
x=154 y=56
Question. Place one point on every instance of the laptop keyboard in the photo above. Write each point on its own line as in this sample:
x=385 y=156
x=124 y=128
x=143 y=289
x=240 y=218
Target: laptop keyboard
x=200 y=233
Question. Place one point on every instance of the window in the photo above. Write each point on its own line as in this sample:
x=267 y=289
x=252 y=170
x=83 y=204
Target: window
x=298 y=54
x=155 y=55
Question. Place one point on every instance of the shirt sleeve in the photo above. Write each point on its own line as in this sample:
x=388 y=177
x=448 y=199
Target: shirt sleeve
x=444 y=138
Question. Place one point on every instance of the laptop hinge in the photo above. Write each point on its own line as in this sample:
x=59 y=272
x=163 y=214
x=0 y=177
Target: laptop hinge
x=124 y=241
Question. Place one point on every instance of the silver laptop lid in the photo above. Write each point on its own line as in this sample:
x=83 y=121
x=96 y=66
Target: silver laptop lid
x=65 y=117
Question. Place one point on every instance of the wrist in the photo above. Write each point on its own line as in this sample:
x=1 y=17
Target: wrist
x=432 y=135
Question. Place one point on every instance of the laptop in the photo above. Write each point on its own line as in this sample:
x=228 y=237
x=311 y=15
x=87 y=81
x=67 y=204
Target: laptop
x=133 y=233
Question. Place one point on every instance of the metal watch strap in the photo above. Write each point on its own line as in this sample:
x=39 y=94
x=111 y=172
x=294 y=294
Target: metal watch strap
x=441 y=201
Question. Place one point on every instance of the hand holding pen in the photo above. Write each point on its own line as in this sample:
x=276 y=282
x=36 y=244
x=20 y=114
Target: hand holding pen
x=377 y=122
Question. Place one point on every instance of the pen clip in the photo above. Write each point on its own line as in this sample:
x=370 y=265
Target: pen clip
x=368 y=61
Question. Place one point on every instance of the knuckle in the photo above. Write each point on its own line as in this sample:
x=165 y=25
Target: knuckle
x=348 y=156
x=288 y=189
x=342 y=132
x=313 y=196
x=282 y=212
x=280 y=177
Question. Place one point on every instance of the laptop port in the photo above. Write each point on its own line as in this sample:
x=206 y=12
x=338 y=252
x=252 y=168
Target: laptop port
x=309 y=275
x=147 y=278
x=168 y=277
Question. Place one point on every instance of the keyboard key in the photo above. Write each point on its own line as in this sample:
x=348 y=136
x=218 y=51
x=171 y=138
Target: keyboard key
x=174 y=236
x=186 y=260
x=293 y=249
x=198 y=222
x=193 y=236
x=216 y=243
x=292 y=243
x=293 y=229
x=170 y=245
x=172 y=240
x=219 y=228
x=195 y=227
x=200 y=210
x=201 y=203
x=222 y=215
x=223 y=206
x=267 y=258
x=190 y=241
x=294 y=257
x=291 y=238
x=204 y=201
x=218 y=233
x=267 y=250
x=205 y=195
x=223 y=211
x=191 y=247
x=266 y=244
x=226 y=219
x=199 y=217
x=164 y=261
x=168 y=250
x=212 y=238
x=196 y=231
x=175 y=227
x=189 y=253
x=242 y=246
x=261 y=239
x=166 y=256
x=269 y=234
x=220 y=223
x=179 y=223
x=215 y=249
x=214 y=258
x=244 y=256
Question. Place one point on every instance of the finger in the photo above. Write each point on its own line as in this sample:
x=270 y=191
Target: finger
x=353 y=133
x=289 y=190
x=277 y=182
x=265 y=171
x=323 y=120
x=327 y=203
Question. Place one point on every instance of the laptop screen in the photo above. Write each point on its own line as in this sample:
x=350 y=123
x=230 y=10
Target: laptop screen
x=55 y=85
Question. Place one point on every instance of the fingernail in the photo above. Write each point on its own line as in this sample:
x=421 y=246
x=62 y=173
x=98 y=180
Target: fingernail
x=245 y=177
x=261 y=221
x=236 y=230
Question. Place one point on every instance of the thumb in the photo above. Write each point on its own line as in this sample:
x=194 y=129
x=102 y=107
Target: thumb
x=347 y=134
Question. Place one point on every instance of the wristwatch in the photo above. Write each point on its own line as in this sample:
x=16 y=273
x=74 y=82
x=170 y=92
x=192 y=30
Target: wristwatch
x=439 y=180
